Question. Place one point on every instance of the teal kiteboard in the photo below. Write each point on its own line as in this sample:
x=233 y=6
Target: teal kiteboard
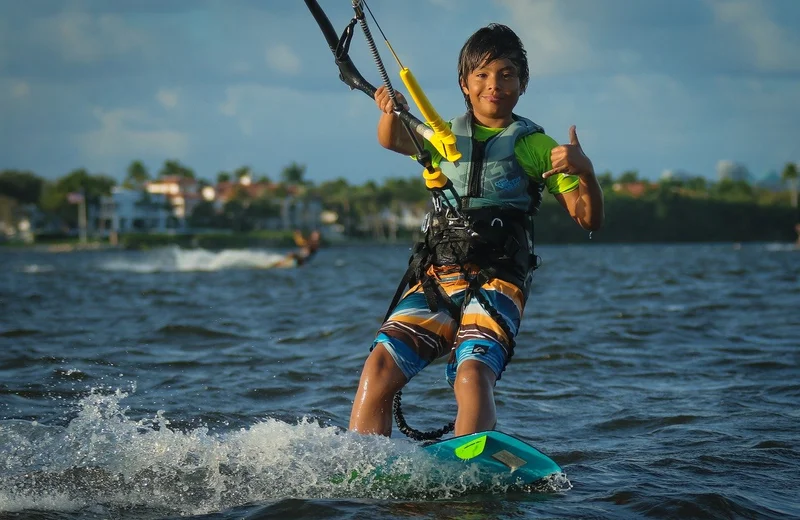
x=498 y=456
x=492 y=457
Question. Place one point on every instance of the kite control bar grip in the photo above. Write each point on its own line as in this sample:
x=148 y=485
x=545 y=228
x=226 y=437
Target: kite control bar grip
x=443 y=140
x=435 y=179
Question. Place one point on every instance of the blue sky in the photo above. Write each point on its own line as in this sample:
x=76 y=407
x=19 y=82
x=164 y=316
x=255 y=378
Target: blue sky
x=217 y=84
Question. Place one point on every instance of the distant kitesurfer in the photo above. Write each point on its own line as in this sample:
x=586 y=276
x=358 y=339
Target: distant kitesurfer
x=797 y=230
x=306 y=249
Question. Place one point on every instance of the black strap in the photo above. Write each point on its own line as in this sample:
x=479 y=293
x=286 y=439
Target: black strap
x=417 y=264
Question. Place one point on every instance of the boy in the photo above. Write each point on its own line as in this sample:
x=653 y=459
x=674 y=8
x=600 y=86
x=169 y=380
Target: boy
x=474 y=267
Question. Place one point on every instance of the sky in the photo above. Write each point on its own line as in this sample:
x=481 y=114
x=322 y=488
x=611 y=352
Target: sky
x=651 y=85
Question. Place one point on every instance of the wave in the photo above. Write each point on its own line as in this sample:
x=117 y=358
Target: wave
x=37 y=268
x=781 y=246
x=103 y=457
x=176 y=259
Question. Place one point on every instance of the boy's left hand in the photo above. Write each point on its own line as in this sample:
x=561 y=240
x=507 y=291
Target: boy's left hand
x=569 y=158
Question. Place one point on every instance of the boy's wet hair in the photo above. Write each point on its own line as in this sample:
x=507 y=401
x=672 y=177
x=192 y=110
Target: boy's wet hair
x=493 y=42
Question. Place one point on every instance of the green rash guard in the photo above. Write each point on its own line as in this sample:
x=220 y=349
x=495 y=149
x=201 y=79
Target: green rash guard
x=533 y=154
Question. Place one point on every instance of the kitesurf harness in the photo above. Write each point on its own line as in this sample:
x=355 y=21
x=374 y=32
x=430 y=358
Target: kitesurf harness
x=491 y=234
x=487 y=235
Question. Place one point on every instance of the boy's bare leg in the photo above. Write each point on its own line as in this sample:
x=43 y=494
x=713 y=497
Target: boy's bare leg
x=381 y=378
x=474 y=388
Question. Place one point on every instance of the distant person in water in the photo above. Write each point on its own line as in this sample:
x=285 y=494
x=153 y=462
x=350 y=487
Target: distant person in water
x=306 y=249
x=797 y=230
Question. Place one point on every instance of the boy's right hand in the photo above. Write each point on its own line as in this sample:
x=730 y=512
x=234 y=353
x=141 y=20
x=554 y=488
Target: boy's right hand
x=384 y=102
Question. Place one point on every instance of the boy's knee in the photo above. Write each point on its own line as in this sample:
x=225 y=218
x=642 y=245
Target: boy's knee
x=474 y=373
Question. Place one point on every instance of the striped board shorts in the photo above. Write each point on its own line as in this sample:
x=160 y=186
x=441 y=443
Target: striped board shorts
x=415 y=336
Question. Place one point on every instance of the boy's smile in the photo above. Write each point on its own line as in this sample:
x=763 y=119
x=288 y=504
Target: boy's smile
x=493 y=90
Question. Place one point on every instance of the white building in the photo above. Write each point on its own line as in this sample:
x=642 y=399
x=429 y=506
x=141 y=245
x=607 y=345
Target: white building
x=300 y=213
x=183 y=194
x=127 y=211
x=676 y=175
x=732 y=171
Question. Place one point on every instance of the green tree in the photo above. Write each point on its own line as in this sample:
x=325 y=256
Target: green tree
x=789 y=176
x=54 y=195
x=734 y=191
x=293 y=174
x=223 y=177
x=137 y=176
x=629 y=176
x=204 y=215
x=368 y=209
x=697 y=184
x=336 y=196
x=23 y=186
x=242 y=171
x=173 y=168
x=606 y=181
x=241 y=195
x=234 y=213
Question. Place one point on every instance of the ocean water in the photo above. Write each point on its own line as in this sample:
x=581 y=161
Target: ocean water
x=664 y=379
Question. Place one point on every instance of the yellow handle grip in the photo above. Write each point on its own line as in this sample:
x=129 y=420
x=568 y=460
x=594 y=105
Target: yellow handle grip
x=435 y=179
x=443 y=139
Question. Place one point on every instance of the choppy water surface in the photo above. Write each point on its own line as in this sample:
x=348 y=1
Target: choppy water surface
x=664 y=379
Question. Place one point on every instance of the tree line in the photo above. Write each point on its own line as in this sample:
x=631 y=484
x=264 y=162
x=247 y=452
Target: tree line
x=681 y=209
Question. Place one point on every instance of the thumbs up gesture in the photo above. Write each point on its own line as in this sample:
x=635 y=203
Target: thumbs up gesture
x=569 y=158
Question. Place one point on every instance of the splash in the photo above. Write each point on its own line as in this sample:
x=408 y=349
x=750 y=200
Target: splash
x=37 y=268
x=174 y=258
x=774 y=247
x=103 y=458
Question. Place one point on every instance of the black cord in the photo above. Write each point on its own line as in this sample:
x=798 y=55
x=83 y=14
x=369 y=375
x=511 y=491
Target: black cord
x=410 y=432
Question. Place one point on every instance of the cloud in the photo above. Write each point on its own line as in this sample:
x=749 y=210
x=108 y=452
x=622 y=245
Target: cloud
x=240 y=67
x=249 y=104
x=271 y=110
x=126 y=133
x=19 y=89
x=450 y=5
x=556 y=51
x=4 y=42
x=167 y=97
x=771 y=47
x=86 y=38
x=283 y=59
x=680 y=36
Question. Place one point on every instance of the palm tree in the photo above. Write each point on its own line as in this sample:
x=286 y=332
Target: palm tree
x=293 y=174
x=137 y=175
x=173 y=168
x=242 y=172
x=789 y=176
x=337 y=195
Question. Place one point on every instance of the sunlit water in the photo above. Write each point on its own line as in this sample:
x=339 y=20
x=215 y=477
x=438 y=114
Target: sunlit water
x=665 y=380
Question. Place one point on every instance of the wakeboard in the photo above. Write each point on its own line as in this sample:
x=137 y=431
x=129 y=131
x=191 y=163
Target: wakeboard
x=498 y=456
x=492 y=457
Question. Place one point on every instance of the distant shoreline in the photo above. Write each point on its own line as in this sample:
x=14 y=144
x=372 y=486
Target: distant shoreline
x=248 y=241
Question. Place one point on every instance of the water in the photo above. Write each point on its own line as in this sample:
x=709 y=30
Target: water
x=665 y=380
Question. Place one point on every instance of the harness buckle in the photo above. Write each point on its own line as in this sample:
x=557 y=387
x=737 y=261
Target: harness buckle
x=455 y=220
x=437 y=205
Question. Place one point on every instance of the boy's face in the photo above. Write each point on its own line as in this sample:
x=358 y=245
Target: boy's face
x=493 y=90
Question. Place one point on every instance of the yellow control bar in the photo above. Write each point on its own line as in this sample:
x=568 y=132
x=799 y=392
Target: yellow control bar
x=443 y=139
